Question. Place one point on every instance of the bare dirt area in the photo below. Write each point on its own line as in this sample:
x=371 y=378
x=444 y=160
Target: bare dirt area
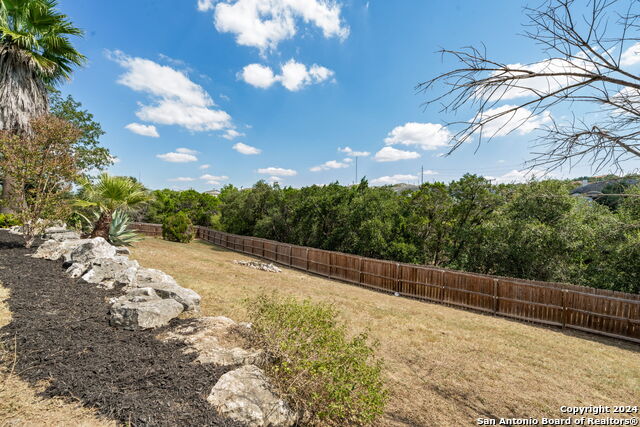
x=444 y=366
x=60 y=354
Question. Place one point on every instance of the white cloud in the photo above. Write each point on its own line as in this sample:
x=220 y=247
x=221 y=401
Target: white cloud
x=214 y=180
x=349 y=152
x=175 y=157
x=186 y=151
x=293 y=75
x=176 y=100
x=331 y=164
x=182 y=179
x=205 y=5
x=277 y=171
x=518 y=176
x=143 y=130
x=265 y=23
x=390 y=154
x=520 y=121
x=232 y=134
x=273 y=179
x=631 y=55
x=258 y=75
x=394 y=179
x=246 y=149
x=202 y=167
x=428 y=136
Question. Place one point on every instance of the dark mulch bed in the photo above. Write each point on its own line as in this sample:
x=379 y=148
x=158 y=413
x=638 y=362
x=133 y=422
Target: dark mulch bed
x=64 y=338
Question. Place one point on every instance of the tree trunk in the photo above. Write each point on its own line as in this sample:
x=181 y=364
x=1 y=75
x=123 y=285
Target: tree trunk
x=5 y=201
x=23 y=97
x=101 y=229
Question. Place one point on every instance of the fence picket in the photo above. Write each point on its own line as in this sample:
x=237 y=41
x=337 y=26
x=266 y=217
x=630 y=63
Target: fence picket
x=608 y=313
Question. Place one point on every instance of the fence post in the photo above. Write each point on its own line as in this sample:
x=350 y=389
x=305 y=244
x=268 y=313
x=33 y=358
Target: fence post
x=330 y=265
x=397 y=277
x=495 y=296
x=360 y=271
x=276 y=254
x=307 y=258
x=290 y=250
x=564 y=308
x=442 y=273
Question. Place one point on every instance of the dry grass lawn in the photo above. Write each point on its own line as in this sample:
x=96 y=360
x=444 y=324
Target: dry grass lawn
x=444 y=366
x=20 y=404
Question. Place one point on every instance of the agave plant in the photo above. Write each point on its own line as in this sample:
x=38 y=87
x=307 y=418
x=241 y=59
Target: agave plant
x=119 y=233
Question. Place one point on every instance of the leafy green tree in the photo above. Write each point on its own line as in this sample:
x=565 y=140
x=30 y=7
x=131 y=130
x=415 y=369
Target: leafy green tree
x=35 y=54
x=89 y=153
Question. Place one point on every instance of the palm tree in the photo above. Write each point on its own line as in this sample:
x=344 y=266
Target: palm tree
x=35 y=54
x=108 y=194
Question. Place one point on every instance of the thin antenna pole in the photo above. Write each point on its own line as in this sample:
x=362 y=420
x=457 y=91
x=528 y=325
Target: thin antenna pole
x=356 y=170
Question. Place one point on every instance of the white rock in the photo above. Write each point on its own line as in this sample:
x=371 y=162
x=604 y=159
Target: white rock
x=259 y=266
x=117 y=270
x=245 y=395
x=54 y=250
x=91 y=249
x=166 y=287
x=212 y=339
x=67 y=235
x=76 y=270
x=136 y=312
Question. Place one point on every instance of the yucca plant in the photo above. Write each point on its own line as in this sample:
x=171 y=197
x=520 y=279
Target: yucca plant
x=119 y=233
x=108 y=195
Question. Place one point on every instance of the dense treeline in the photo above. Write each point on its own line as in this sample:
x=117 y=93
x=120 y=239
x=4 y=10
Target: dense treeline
x=201 y=208
x=532 y=231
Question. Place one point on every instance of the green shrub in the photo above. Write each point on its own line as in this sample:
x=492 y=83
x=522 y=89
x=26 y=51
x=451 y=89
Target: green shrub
x=8 y=220
x=177 y=228
x=329 y=378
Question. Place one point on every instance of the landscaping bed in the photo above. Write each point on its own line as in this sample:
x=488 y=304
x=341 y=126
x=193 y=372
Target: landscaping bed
x=63 y=339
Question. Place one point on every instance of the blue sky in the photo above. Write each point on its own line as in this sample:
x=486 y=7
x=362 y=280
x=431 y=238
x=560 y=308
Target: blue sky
x=201 y=93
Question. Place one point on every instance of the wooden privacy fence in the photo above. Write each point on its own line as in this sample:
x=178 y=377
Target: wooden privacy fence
x=599 y=311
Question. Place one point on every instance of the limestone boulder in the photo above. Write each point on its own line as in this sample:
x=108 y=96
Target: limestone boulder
x=214 y=340
x=90 y=249
x=139 y=311
x=67 y=235
x=108 y=272
x=55 y=250
x=166 y=287
x=245 y=395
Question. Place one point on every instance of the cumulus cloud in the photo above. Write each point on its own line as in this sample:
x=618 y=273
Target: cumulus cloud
x=176 y=100
x=390 y=154
x=518 y=176
x=521 y=121
x=277 y=171
x=349 y=152
x=265 y=23
x=186 y=151
x=428 y=136
x=143 y=130
x=331 y=164
x=394 y=179
x=246 y=149
x=213 y=179
x=293 y=75
x=202 y=167
x=258 y=75
x=205 y=5
x=631 y=55
x=177 y=157
x=231 y=134
x=182 y=179
x=273 y=179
